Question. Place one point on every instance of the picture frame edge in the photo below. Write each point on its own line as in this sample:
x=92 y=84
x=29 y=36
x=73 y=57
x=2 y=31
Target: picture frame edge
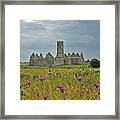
x=2 y=82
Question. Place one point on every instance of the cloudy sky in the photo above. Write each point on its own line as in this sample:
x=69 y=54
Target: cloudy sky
x=40 y=36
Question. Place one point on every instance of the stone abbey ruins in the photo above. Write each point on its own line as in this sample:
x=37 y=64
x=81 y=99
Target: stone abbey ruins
x=60 y=59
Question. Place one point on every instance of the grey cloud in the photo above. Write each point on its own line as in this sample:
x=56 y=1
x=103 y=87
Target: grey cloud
x=41 y=35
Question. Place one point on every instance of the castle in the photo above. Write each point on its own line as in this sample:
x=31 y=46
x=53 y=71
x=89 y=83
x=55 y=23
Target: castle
x=60 y=59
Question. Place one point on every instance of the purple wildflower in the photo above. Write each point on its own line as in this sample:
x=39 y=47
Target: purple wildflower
x=28 y=82
x=41 y=77
x=61 y=87
x=45 y=97
x=98 y=85
x=80 y=78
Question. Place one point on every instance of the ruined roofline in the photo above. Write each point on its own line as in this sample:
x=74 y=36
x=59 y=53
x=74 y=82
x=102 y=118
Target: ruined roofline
x=73 y=54
x=41 y=55
x=49 y=53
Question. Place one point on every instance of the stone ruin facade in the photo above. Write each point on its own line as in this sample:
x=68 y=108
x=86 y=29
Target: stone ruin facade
x=60 y=59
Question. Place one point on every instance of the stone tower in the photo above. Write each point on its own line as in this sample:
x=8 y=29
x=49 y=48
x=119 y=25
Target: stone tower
x=60 y=48
x=59 y=59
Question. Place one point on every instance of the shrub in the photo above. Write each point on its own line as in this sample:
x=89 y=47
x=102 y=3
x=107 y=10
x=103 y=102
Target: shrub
x=95 y=63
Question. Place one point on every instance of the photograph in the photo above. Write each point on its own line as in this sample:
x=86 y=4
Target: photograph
x=60 y=59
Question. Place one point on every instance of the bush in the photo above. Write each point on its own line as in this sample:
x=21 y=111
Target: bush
x=95 y=63
x=87 y=61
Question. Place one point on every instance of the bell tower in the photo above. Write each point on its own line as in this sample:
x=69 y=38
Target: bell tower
x=60 y=48
x=59 y=59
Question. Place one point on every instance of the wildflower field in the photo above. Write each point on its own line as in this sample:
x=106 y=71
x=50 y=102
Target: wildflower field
x=65 y=82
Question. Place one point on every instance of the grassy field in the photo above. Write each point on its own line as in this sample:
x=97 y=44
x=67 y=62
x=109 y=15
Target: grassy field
x=65 y=82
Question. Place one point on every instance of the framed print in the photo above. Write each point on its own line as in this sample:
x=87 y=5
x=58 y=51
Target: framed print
x=60 y=59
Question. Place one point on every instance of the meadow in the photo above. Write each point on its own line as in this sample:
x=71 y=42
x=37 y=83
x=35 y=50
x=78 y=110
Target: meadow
x=65 y=82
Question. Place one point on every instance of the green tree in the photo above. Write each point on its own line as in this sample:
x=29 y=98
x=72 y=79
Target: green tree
x=95 y=63
x=87 y=61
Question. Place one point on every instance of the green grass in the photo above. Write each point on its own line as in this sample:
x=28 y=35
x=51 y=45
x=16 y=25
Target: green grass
x=74 y=89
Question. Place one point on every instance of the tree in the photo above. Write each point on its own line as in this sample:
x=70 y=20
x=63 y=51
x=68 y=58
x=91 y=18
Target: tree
x=88 y=61
x=95 y=63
